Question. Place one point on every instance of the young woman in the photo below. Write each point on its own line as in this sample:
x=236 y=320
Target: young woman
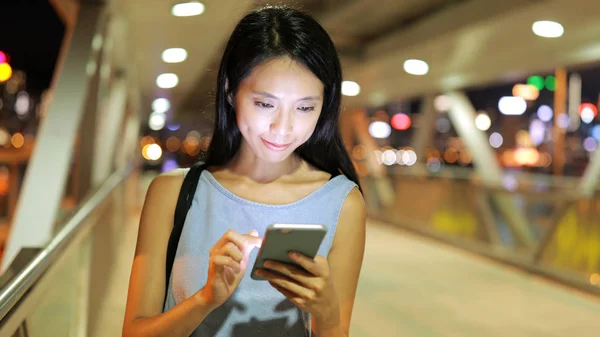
x=276 y=156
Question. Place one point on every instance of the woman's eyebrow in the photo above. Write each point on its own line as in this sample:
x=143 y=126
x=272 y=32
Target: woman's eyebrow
x=266 y=94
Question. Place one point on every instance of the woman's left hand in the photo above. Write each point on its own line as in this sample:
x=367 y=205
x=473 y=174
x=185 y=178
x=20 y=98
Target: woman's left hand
x=311 y=290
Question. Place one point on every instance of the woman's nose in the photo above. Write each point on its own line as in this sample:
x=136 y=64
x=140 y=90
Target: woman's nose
x=283 y=124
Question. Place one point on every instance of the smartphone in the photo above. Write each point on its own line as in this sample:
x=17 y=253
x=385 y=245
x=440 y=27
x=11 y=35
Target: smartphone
x=281 y=239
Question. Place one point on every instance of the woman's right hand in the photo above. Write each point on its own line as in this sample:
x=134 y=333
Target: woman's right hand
x=227 y=266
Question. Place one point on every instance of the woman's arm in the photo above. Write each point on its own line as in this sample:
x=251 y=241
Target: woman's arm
x=345 y=261
x=143 y=316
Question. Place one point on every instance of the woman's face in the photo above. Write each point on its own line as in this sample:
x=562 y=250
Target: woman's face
x=277 y=108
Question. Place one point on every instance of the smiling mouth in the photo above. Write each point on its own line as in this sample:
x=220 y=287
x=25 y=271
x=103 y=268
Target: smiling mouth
x=274 y=146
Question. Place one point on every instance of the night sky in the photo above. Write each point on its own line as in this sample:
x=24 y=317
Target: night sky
x=31 y=36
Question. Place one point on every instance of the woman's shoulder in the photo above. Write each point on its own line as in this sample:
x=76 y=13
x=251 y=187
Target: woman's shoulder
x=168 y=183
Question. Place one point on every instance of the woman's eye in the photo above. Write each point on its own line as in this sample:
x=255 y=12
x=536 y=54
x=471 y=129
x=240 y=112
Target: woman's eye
x=307 y=108
x=263 y=105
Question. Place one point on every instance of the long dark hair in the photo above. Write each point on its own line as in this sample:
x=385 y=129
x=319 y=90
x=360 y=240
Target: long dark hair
x=264 y=34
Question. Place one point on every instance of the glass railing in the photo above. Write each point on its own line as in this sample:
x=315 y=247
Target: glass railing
x=539 y=223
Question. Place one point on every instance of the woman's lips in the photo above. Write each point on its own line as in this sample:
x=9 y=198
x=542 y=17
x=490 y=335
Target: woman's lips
x=275 y=147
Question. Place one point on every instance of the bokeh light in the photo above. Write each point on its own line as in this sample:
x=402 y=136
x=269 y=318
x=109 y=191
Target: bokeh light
x=496 y=140
x=152 y=152
x=400 y=121
x=380 y=129
x=5 y=72
x=590 y=144
x=536 y=81
x=545 y=113
x=483 y=121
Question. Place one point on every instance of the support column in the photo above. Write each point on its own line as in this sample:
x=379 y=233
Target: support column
x=560 y=109
x=462 y=115
x=425 y=131
x=383 y=185
x=109 y=123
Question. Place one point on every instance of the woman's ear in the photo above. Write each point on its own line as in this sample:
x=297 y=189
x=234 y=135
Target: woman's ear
x=229 y=95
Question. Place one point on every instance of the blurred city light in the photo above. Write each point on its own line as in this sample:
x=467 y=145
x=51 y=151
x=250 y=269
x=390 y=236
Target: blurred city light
x=548 y=29
x=152 y=152
x=588 y=112
x=536 y=81
x=157 y=121
x=550 y=83
x=416 y=67
x=496 y=140
x=595 y=132
x=512 y=106
x=190 y=8
x=483 y=121
x=388 y=157
x=442 y=103
x=174 y=55
x=350 y=88
x=173 y=144
x=544 y=113
x=359 y=152
x=434 y=165
x=5 y=72
x=169 y=165
x=22 y=104
x=590 y=144
x=409 y=157
x=589 y=107
x=3 y=57
x=173 y=127
x=526 y=156
x=17 y=140
x=537 y=132
x=443 y=125
x=400 y=121
x=4 y=137
x=161 y=105
x=528 y=91
x=380 y=129
x=167 y=81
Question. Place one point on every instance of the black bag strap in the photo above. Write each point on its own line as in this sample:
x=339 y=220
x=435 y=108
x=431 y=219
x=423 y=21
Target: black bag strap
x=184 y=202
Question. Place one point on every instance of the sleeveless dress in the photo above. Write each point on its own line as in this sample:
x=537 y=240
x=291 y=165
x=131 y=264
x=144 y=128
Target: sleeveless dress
x=255 y=309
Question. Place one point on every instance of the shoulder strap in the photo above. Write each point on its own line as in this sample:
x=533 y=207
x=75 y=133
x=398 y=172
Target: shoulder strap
x=184 y=202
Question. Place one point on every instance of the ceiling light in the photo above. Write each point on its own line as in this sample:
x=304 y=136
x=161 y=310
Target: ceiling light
x=174 y=55
x=548 y=29
x=512 y=106
x=416 y=67
x=161 y=105
x=167 y=80
x=189 y=8
x=350 y=88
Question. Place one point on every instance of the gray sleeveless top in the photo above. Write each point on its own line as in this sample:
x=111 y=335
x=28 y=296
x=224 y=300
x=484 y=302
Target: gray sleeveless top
x=255 y=308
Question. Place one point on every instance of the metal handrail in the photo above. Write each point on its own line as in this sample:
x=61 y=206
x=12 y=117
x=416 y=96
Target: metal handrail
x=28 y=276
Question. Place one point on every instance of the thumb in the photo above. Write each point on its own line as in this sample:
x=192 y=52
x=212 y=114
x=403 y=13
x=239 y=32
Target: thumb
x=253 y=240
